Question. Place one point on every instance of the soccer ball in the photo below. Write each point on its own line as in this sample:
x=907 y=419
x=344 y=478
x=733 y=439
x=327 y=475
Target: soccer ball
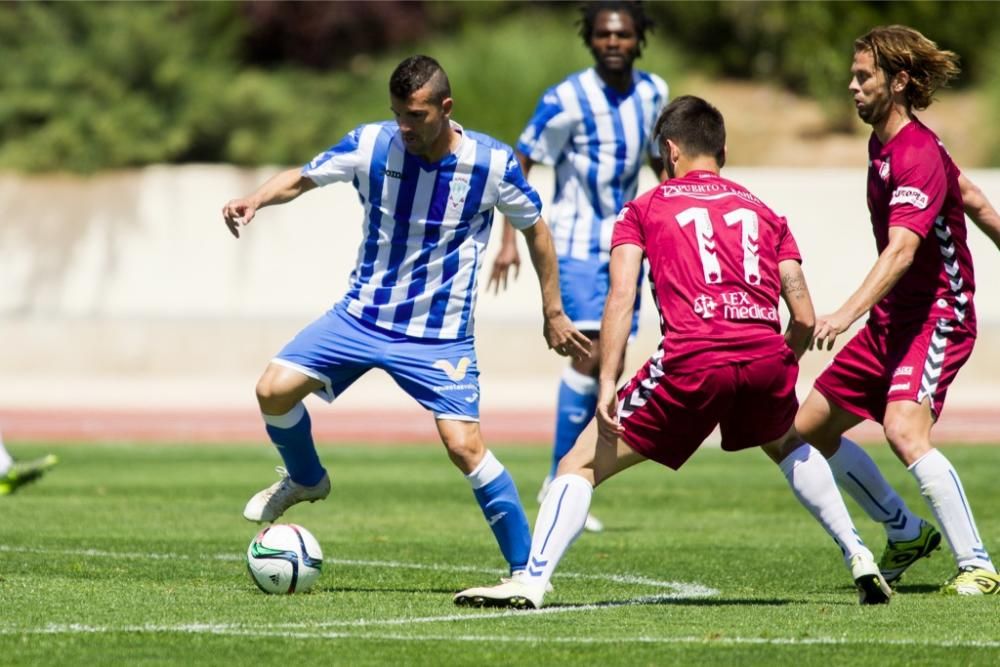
x=284 y=558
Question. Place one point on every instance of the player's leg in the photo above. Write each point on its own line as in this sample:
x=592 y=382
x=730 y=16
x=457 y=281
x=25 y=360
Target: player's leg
x=493 y=488
x=560 y=521
x=852 y=389
x=908 y=429
x=822 y=424
x=324 y=358
x=762 y=413
x=443 y=376
x=575 y=408
x=584 y=287
x=665 y=418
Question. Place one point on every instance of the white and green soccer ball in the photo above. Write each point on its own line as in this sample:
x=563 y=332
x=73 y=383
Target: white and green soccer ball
x=284 y=558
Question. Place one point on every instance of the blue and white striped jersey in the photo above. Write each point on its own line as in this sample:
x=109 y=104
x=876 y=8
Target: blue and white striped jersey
x=426 y=225
x=597 y=140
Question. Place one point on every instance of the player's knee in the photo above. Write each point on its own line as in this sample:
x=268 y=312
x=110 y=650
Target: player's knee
x=465 y=450
x=271 y=398
x=908 y=442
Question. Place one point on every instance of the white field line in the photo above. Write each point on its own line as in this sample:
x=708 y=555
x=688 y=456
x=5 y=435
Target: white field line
x=242 y=631
x=677 y=590
x=680 y=590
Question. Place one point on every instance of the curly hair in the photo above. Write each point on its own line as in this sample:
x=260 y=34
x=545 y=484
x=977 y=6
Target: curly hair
x=898 y=48
x=590 y=10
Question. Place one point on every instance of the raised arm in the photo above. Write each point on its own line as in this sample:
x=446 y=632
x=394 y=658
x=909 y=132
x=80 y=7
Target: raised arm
x=616 y=324
x=508 y=257
x=278 y=189
x=894 y=261
x=802 y=317
x=979 y=209
x=559 y=332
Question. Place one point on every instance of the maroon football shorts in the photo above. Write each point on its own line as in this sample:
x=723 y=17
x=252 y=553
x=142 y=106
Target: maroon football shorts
x=667 y=416
x=882 y=364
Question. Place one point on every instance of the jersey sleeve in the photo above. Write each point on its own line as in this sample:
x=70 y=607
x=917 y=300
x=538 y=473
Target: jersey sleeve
x=787 y=247
x=338 y=163
x=548 y=131
x=628 y=228
x=517 y=199
x=920 y=188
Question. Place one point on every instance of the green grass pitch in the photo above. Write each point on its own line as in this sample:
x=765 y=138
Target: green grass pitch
x=132 y=555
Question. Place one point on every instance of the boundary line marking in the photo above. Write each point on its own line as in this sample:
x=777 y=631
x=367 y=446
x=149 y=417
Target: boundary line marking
x=244 y=631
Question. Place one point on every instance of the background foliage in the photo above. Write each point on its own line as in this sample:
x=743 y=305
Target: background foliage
x=99 y=85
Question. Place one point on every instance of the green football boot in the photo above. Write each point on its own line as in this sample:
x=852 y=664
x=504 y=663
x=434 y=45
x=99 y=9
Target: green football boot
x=25 y=472
x=972 y=581
x=899 y=556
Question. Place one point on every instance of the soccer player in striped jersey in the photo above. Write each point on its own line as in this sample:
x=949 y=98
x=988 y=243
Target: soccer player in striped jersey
x=595 y=128
x=719 y=260
x=921 y=319
x=429 y=189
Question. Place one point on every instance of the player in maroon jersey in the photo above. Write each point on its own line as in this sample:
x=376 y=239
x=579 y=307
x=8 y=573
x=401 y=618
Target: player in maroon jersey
x=921 y=320
x=719 y=259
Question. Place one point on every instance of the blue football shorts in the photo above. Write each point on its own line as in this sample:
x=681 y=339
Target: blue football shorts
x=584 y=286
x=337 y=349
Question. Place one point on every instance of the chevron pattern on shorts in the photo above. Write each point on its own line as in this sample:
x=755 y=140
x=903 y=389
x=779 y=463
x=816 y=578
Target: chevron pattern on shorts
x=638 y=396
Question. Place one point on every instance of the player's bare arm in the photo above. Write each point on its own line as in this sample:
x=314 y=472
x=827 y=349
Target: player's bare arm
x=802 y=316
x=616 y=324
x=979 y=209
x=894 y=261
x=278 y=189
x=559 y=331
x=508 y=257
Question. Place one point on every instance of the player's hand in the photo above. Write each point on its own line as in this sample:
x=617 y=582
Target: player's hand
x=507 y=258
x=238 y=212
x=828 y=327
x=565 y=338
x=607 y=412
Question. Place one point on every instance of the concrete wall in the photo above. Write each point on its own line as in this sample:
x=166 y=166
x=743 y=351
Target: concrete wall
x=127 y=289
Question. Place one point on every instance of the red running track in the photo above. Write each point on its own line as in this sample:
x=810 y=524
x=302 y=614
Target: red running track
x=524 y=427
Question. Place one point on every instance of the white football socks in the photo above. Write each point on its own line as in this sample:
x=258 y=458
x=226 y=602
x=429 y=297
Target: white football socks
x=812 y=483
x=857 y=474
x=943 y=491
x=560 y=521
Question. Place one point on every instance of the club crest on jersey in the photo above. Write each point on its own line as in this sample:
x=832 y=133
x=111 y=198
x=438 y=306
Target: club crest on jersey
x=883 y=170
x=705 y=306
x=458 y=189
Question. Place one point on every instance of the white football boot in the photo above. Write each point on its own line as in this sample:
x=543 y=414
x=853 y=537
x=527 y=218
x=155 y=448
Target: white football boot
x=870 y=583
x=271 y=503
x=514 y=593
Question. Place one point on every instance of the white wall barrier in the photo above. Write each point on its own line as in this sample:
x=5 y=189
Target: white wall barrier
x=131 y=280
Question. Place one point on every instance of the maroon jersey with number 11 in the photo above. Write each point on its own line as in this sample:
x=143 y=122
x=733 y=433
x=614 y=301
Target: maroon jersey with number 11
x=713 y=250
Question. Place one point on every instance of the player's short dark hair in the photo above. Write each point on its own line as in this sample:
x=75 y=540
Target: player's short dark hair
x=898 y=48
x=414 y=73
x=694 y=125
x=590 y=10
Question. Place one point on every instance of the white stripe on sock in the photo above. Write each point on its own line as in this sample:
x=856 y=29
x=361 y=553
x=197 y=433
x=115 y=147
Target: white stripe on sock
x=287 y=420
x=487 y=471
